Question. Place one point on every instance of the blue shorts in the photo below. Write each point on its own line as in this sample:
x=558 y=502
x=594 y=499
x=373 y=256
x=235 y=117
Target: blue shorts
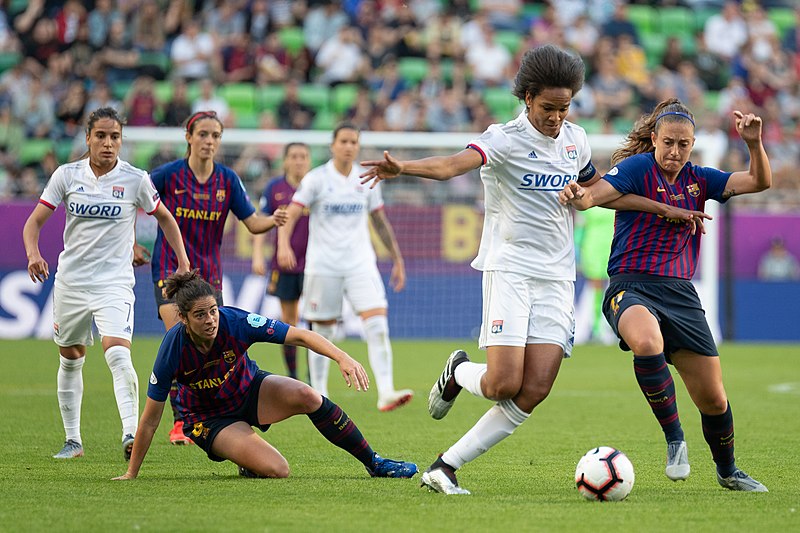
x=204 y=432
x=286 y=287
x=674 y=303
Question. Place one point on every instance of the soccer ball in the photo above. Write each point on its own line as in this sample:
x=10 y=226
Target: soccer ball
x=604 y=474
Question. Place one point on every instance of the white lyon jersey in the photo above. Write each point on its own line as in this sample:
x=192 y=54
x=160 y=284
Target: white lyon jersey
x=101 y=212
x=338 y=226
x=525 y=229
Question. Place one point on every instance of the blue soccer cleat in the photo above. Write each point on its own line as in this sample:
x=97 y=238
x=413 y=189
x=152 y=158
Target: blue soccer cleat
x=388 y=468
x=71 y=449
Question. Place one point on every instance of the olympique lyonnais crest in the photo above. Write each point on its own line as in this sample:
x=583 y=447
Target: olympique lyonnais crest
x=220 y=195
x=497 y=326
x=572 y=152
x=693 y=189
x=117 y=191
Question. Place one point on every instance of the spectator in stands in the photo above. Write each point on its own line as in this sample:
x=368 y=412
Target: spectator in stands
x=99 y=22
x=223 y=21
x=582 y=36
x=778 y=264
x=761 y=31
x=238 y=59
x=293 y=114
x=323 y=23
x=70 y=110
x=257 y=23
x=100 y=96
x=209 y=101
x=141 y=105
x=192 y=52
x=178 y=107
x=489 y=61
x=443 y=33
x=341 y=58
x=631 y=62
x=791 y=39
x=503 y=14
x=42 y=41
x=725 y=32
x=272 y=61
x=448 y=113
x=401 y=114
x=710 y=69
x=386 y=83
x=35 y=109
x=673 y=54
x=613 y=96
x=119 y=59
x=620 y=24
x=149 y=34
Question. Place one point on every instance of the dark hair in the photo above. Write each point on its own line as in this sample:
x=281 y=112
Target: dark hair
x=292 y=145
x=187 y=288
x=548 y=66
x=639 y=141
x=97 y=114
x=192 y=121
x=345 y=126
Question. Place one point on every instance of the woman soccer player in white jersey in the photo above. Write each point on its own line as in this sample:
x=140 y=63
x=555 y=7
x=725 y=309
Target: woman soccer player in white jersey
x=341 y=262
x=526 y=254
x=94 y=279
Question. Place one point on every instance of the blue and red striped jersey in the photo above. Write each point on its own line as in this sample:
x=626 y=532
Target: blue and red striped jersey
x=200 y=209
x=216 y=383
x=645 y=243
x=277 y=193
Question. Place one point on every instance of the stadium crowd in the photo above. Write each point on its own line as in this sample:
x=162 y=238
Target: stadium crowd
x=384 y=65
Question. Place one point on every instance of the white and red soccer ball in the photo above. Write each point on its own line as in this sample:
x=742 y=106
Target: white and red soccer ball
x=604 y=474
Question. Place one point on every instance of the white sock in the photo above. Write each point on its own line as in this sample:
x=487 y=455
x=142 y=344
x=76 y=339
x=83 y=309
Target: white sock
x=498 y=423
x=319 y=365
x=126 y=387
x=469 y=375
x=379 y=350
x=70 y=394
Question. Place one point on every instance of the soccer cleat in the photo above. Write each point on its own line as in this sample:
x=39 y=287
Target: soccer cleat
x=388 y=468
x=440 y=480
x=176 y=435
x=395 y=399
x=127 y=446
x=741 y=481
x=444 y=392
x=677 y=460
x=244 y=472
x=71 y=449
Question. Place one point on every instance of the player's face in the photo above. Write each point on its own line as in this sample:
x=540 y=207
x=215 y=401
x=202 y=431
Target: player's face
x=104 y=142
x=548 y=109
x=297 y=161
x=205 y=138
x=673 y=142
x=202 y=321
x=345 y=146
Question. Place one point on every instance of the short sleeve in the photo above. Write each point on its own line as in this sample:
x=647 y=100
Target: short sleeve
x=147 y=196
x=252 y=327
x=241 y=205
x=306 y=192
x=165 y=367
x=624 y=178
x=493 y=145
x=55 y=190
x=716 y=180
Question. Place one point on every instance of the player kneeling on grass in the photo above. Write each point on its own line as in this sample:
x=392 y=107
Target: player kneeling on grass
x=222 y=393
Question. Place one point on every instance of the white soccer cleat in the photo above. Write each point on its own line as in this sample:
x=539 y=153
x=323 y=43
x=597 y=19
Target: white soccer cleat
x=677 y=461
x=437 y=480
x=741 y=481
x=70 y=450
x=394 y=399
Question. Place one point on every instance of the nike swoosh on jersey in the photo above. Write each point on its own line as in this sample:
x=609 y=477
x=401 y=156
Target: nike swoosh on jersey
x=658 y=189
x=190 y=372
x=180 y=191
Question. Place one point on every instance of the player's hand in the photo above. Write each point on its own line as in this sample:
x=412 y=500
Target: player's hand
x=571 y=191
x=695 y=219
x=378 y=170
x=353 y=373
x=141 y=255
x=38 y=269
x=280 y=216
x=286 y=259
x=748 y=126
x=183 y=268
x=397 y=280
x=124 y=477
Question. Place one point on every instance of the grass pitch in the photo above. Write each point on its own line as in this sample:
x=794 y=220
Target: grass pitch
x=523 y=484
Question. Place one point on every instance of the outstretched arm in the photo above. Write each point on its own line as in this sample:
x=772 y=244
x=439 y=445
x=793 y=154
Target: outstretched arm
x=172 y=232
x=439 y=168
x=386 y=234
x=256 y=223
x=148 y=423
x=352 y=371
x=759 y=176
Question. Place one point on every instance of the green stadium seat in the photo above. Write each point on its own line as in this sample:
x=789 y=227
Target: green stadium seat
x=292 y=38
x=783 y=18
x=711 y=100
x=163 y=90
x=315 y=96
x=343 y=97
x=654 y=45
x=240 y=97
x=119 y=89
x=701 y=16
x=33 y=150
x=9 y=60
x=512 y=40
x=324 y=121
x=590 y=124
x=15 y=7
x=501 y=103
x=248 y=121
x=676 y=21
x=143 y=152
x=63 y=151
x=412 y=69
x=644 y=17
x=159 y=60
x=193 y=91
x=532 y=11
x=269 y=97
x=622 y=125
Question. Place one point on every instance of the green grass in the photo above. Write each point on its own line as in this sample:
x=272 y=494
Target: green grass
x=523 y=484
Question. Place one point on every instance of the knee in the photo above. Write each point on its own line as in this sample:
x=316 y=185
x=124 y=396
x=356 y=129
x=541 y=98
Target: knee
x=644 y=344
x=501 y=389
x=280 y=471
x=714 y=405
x=307 y=399
x=275 y=471
x=532 y=396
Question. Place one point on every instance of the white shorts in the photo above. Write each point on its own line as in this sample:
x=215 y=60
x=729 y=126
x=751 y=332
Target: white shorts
x=519 y=310
x=73 y=311
x=322 y=295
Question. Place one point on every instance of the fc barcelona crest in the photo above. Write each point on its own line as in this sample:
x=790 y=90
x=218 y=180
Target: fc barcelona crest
x=220 y=195
x=117 y=191
x=693 y=189
x=229 y=356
